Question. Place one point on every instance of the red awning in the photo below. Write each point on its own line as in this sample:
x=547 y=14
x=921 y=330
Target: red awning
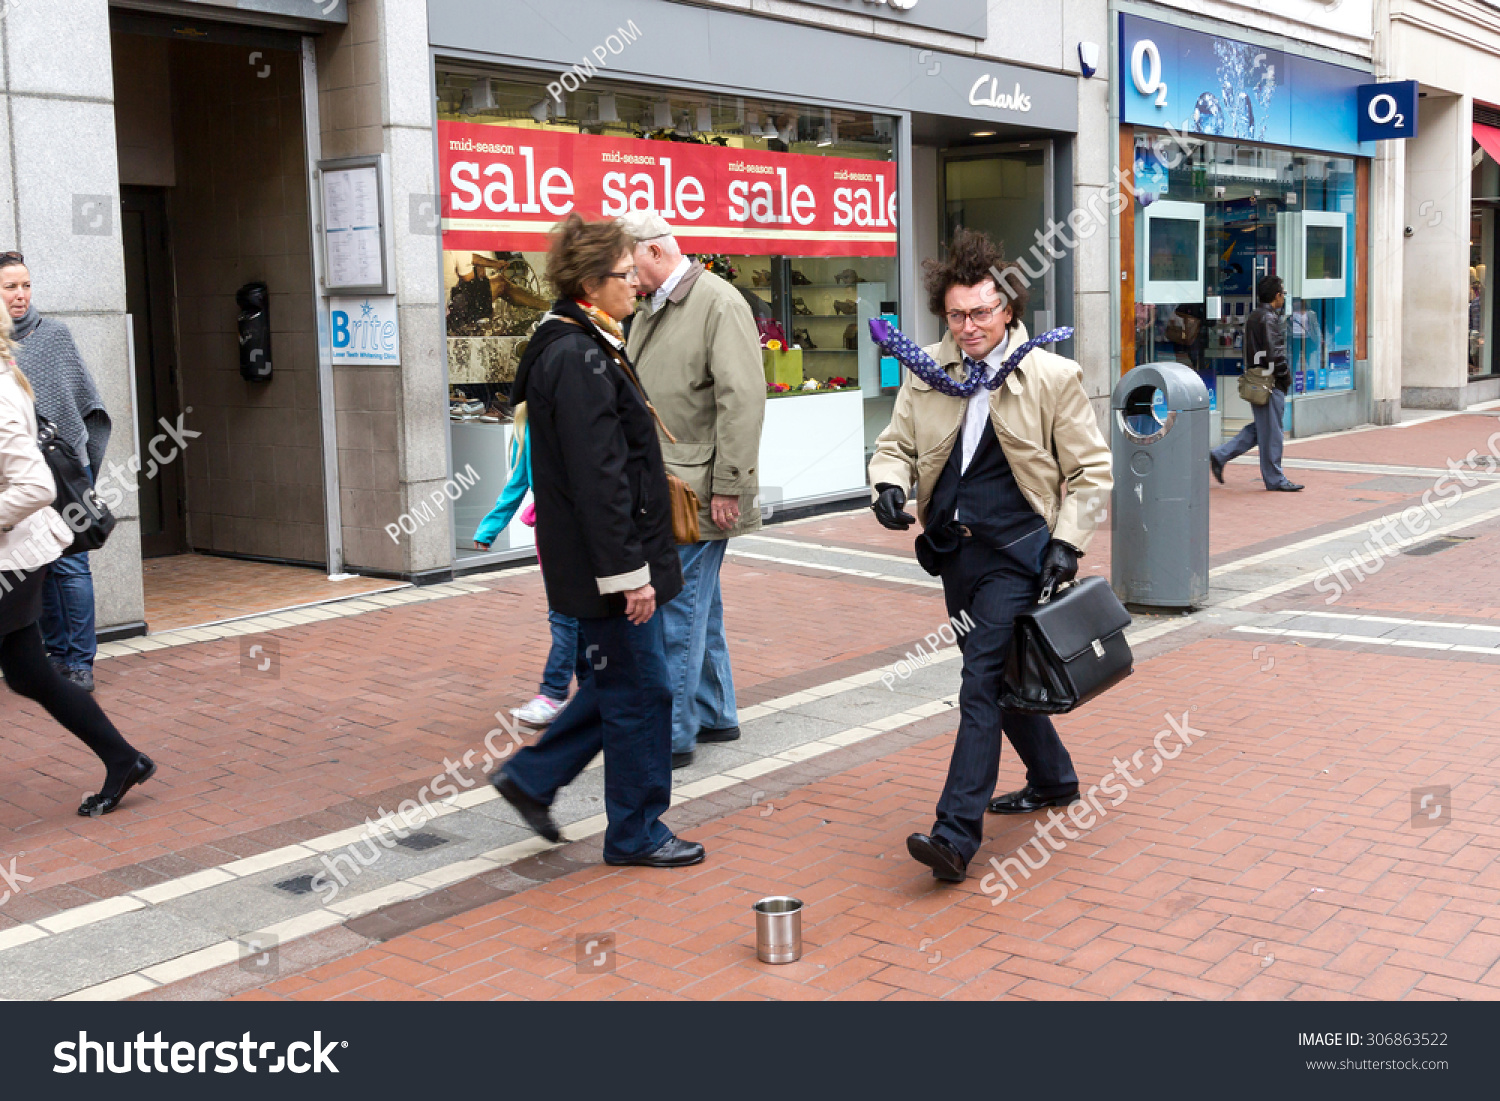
x=1489 y=137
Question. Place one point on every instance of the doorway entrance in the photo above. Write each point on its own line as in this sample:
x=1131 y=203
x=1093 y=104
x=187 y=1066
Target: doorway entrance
x=1006 y=192
x=148 y=301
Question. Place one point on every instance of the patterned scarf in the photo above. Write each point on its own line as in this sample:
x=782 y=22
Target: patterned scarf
x=602 y=321
x=919 y=363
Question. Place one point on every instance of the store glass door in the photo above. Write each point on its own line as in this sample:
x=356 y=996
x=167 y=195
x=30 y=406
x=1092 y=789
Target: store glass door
x=1006 y=192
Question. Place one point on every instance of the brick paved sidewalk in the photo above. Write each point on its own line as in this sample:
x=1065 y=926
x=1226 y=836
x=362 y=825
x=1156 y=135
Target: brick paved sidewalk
x=1274 y=858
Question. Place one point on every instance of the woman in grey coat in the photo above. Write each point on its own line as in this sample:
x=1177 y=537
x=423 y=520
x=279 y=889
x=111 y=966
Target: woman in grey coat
x=66 y=396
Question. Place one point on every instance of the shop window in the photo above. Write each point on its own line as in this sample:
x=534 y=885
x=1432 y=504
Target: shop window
x=814 y=259
x=1480 y=283
x=1264 y=211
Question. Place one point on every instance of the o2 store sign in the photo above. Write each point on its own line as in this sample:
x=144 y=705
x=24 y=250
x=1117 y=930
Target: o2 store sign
x=1388 y=111
x=364 y=332
x=504 y=189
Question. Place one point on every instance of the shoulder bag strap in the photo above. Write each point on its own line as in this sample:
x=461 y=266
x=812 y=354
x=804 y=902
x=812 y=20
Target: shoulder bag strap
x=630 y=374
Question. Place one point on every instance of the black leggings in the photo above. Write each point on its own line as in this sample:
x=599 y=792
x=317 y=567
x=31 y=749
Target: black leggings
x=23 y=661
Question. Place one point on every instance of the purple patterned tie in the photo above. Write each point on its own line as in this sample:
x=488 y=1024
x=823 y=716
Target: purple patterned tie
x=919 y=363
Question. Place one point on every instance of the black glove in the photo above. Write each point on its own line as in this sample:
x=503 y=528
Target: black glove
x=1059 y=565
x=888 y=508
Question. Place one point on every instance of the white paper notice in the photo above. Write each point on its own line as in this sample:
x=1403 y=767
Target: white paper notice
x=351 y=226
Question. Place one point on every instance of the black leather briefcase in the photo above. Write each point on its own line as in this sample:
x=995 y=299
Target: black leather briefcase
x=1066 y=651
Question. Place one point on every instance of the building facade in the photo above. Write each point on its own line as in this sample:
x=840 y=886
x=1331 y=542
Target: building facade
x=387 y=170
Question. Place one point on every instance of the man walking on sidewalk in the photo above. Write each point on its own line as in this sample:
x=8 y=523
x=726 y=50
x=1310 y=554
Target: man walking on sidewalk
x=1265 y=346
x=698 y=354
x=1011 y=471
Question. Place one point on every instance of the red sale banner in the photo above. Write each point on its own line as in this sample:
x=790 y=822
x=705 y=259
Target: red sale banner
x=504 y=188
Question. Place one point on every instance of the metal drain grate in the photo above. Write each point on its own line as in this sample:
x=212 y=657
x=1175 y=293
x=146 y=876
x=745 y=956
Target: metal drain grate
x=297 y=885
x=421 y=842
x=1441 y=543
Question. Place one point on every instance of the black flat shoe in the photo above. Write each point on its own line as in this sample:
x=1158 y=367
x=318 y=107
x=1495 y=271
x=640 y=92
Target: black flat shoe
x=1217 y=467
x=682 y=760
x=536 y=815
x=939 y=855
x=1027 y=800
x=97 y=805
x=675 y=853
x=1288 y=487
x=719 y=734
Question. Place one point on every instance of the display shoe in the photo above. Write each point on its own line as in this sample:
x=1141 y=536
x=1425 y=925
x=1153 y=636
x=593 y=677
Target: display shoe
x=106 y=801
x=799 y=307
x=847 y=306
x=804 y=338
x=848 y=277
x=499 y=412
x=851 y=337
x=760 y=278
x=800 y=280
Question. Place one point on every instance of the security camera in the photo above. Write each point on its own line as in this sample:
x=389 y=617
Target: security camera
x=1409 y=231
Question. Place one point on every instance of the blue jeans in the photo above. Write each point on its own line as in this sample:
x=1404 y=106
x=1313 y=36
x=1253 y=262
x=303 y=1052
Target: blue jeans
x=567 y=657
x=1263 y=431
x=993 y=587
x=625 y=707
x=68 y=612
x=697 y=655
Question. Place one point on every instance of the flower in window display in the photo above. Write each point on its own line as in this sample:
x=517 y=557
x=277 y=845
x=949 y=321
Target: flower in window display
x=810 y=384
x=777 y=388
x=837 y=382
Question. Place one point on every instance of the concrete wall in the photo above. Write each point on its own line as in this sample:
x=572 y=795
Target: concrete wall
x=57 y=154
x=1435 y=260
x=375 y=96
x=239 y=215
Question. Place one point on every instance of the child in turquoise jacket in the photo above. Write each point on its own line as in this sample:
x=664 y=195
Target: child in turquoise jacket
x=567 y=655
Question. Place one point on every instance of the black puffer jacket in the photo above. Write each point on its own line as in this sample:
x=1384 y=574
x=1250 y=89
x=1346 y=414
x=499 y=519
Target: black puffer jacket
x=603 y=515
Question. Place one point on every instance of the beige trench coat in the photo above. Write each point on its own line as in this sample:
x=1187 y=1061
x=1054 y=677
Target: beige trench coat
x=1045 y=426
x=699 y=359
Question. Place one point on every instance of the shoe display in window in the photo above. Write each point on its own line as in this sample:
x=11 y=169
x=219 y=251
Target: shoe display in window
x=800 y=280
x=799 y=307
x=851 y=337
x=760 y=278
x=848 y=277
x=848 y=306
x=804 y=339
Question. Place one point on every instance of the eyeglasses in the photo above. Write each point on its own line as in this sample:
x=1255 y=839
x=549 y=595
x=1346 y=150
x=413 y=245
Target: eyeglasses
x=630 y=275
x=981 y=316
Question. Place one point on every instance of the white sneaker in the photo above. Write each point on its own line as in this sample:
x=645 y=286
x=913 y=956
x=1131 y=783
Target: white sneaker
x=540 y=711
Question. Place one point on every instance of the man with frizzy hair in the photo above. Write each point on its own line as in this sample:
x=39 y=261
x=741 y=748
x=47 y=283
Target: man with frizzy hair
x=1011 y=475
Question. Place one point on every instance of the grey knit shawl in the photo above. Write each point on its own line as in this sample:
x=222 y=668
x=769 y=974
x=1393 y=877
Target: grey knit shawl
x=65 y=391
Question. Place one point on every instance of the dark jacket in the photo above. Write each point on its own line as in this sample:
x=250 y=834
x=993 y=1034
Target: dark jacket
x=603 y=514
x=1265 y=345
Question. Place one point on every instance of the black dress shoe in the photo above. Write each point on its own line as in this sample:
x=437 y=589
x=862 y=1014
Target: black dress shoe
x=682 y=760
x=1288 y=487
x=1027 y=800
x=1217 y=467
x=719 y=734
x=939 y=855
x=675 y=853
x=106 y=801
x=536 y=815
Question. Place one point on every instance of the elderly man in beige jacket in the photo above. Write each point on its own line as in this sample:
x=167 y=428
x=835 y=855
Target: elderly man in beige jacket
x=1011 y=475
x=697 y=351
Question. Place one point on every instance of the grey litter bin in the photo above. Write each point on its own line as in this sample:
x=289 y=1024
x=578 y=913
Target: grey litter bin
x=1159 y=518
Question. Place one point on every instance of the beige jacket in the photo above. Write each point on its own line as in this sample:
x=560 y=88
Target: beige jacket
x=699 y=359
x=1045 y=426
x=31 y=532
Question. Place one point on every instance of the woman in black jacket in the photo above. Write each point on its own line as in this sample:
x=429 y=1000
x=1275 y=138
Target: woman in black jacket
x=604 y=538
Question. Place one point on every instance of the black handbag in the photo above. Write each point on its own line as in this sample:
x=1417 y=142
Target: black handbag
x=86 y=515
x=1067 y=650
